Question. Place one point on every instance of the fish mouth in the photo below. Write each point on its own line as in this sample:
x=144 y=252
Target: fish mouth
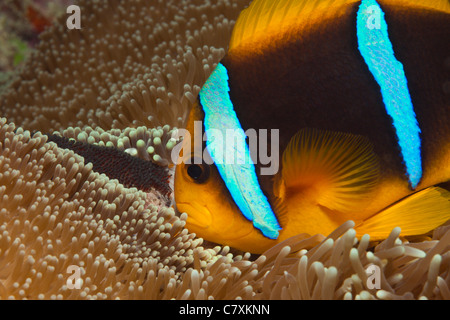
x=198 y=214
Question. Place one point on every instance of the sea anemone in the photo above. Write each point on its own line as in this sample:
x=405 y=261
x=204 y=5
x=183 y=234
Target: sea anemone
x=131 y=64
x=126 y=80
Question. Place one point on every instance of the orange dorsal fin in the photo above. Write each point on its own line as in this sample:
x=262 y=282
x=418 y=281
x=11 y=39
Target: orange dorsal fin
x=436 y=5
x=264 y=18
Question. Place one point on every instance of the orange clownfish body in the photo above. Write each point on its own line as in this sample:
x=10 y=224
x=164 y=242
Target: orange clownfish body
x=352 y=94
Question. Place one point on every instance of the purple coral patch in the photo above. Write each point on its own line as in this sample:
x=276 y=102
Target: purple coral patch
x=128 y=170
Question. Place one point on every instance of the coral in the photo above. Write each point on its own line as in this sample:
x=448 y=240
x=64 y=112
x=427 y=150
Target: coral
x=127 y=80
x=152 y=144
x=128 y=170
x=131 y=64
x=56 y=212
x=20 y=24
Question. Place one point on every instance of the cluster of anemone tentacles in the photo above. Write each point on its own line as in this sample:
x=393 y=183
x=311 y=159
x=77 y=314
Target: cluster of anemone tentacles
x=127 y=80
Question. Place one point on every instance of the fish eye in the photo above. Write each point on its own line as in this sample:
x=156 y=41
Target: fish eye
x=199 y=173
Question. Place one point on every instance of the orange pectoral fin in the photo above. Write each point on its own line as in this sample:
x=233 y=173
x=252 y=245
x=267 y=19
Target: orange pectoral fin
x=339 y=170
x=417 y=214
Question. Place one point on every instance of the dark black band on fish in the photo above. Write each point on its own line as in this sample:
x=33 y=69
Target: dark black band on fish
x=128 y=170
x=287 y=70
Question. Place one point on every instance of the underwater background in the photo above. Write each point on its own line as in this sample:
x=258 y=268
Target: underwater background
x=126 y=81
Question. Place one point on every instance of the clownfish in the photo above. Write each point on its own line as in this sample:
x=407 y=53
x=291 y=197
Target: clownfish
x=356 y=92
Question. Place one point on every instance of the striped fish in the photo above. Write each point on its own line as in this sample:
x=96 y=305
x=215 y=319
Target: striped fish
x=357 y=93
